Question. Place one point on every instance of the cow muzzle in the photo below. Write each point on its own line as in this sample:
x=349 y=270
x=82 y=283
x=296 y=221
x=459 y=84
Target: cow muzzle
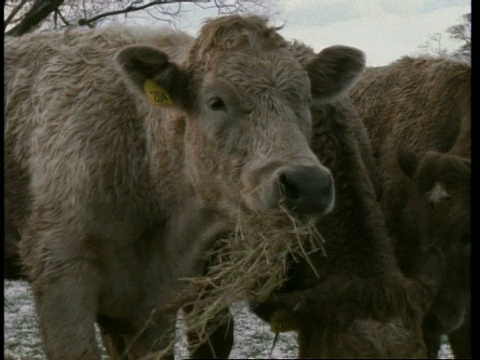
x=303 y=190
x=306 y=190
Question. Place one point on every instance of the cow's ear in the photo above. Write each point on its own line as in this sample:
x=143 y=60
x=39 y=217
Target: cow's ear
x=334 y=70
x=408 y=160
x=149 y=71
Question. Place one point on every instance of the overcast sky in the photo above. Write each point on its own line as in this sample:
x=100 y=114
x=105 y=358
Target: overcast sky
x=384 y=29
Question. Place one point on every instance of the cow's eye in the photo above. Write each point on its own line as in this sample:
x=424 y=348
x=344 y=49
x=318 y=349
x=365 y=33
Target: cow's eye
x=216 y=104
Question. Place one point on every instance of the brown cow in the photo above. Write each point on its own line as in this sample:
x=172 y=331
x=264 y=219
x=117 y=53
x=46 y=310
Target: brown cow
x=117 y=138
x=361 y=306
x=418 y=114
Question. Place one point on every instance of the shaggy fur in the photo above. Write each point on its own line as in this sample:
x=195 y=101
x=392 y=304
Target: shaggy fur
x=360 y=305
x=104 y=192
x=418 y=114
x=360 y=282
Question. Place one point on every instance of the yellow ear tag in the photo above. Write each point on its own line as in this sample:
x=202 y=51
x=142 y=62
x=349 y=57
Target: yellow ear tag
x=156 y=95
x=282 y=321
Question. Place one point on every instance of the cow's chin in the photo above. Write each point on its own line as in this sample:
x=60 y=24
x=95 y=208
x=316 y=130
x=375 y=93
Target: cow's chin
x=270 y=203
x=451 y=317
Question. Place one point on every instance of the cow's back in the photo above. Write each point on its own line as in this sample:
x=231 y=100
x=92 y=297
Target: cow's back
x=73 y=133
x=52 y=104
x=422 y=101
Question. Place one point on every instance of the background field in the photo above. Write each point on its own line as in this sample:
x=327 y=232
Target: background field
x=253 y=338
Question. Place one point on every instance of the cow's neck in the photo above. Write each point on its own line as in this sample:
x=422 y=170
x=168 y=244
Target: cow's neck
x=165 y=135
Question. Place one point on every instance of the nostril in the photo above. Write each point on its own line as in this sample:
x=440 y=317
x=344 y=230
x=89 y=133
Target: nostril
x=288 y=188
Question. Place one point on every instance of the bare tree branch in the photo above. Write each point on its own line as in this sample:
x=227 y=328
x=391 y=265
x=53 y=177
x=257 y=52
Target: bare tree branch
x=461 y=32
x=62 y=17
x=46 y=14
x=14 y=12
x=128 y=9
x=84 y=10
x=34 y=17
x=163 y=13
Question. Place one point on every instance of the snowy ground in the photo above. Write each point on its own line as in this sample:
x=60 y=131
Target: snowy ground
x=253 y=338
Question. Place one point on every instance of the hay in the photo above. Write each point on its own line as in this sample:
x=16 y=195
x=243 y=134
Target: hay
x=248 y=265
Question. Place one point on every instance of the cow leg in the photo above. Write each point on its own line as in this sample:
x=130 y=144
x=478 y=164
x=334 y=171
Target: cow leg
x=432 y=333
x=65 y=306
x=460 y=341
x=117 y=348
x=65 y=285
x=114 y=344
x=12 y=266
x=143 y=341
x=219 y=343
x=432 y=341
x=111 y=332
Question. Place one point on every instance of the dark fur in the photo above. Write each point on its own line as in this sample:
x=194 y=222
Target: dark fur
x=360 y=282
x=417 y=113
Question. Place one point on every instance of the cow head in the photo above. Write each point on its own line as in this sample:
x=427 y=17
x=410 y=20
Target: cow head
x=245 y=100
x=438 y=200
x=354 y=317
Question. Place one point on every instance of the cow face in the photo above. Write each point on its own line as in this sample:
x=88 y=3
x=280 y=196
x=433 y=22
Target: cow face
x=325 y=331
x=351 y=317
x=246 y=104
x=439 y=200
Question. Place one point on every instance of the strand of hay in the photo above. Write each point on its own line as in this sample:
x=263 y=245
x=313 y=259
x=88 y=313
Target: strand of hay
x=247 y=265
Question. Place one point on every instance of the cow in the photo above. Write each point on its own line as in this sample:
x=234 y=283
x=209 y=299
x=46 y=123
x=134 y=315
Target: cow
x=128 y=150
x=417 y=111
x=360 y=305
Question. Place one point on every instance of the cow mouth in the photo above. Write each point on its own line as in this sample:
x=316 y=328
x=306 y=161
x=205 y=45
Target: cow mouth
x=450 y=315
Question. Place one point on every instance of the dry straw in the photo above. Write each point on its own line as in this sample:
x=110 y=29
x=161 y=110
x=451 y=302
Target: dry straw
x=248 y=265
